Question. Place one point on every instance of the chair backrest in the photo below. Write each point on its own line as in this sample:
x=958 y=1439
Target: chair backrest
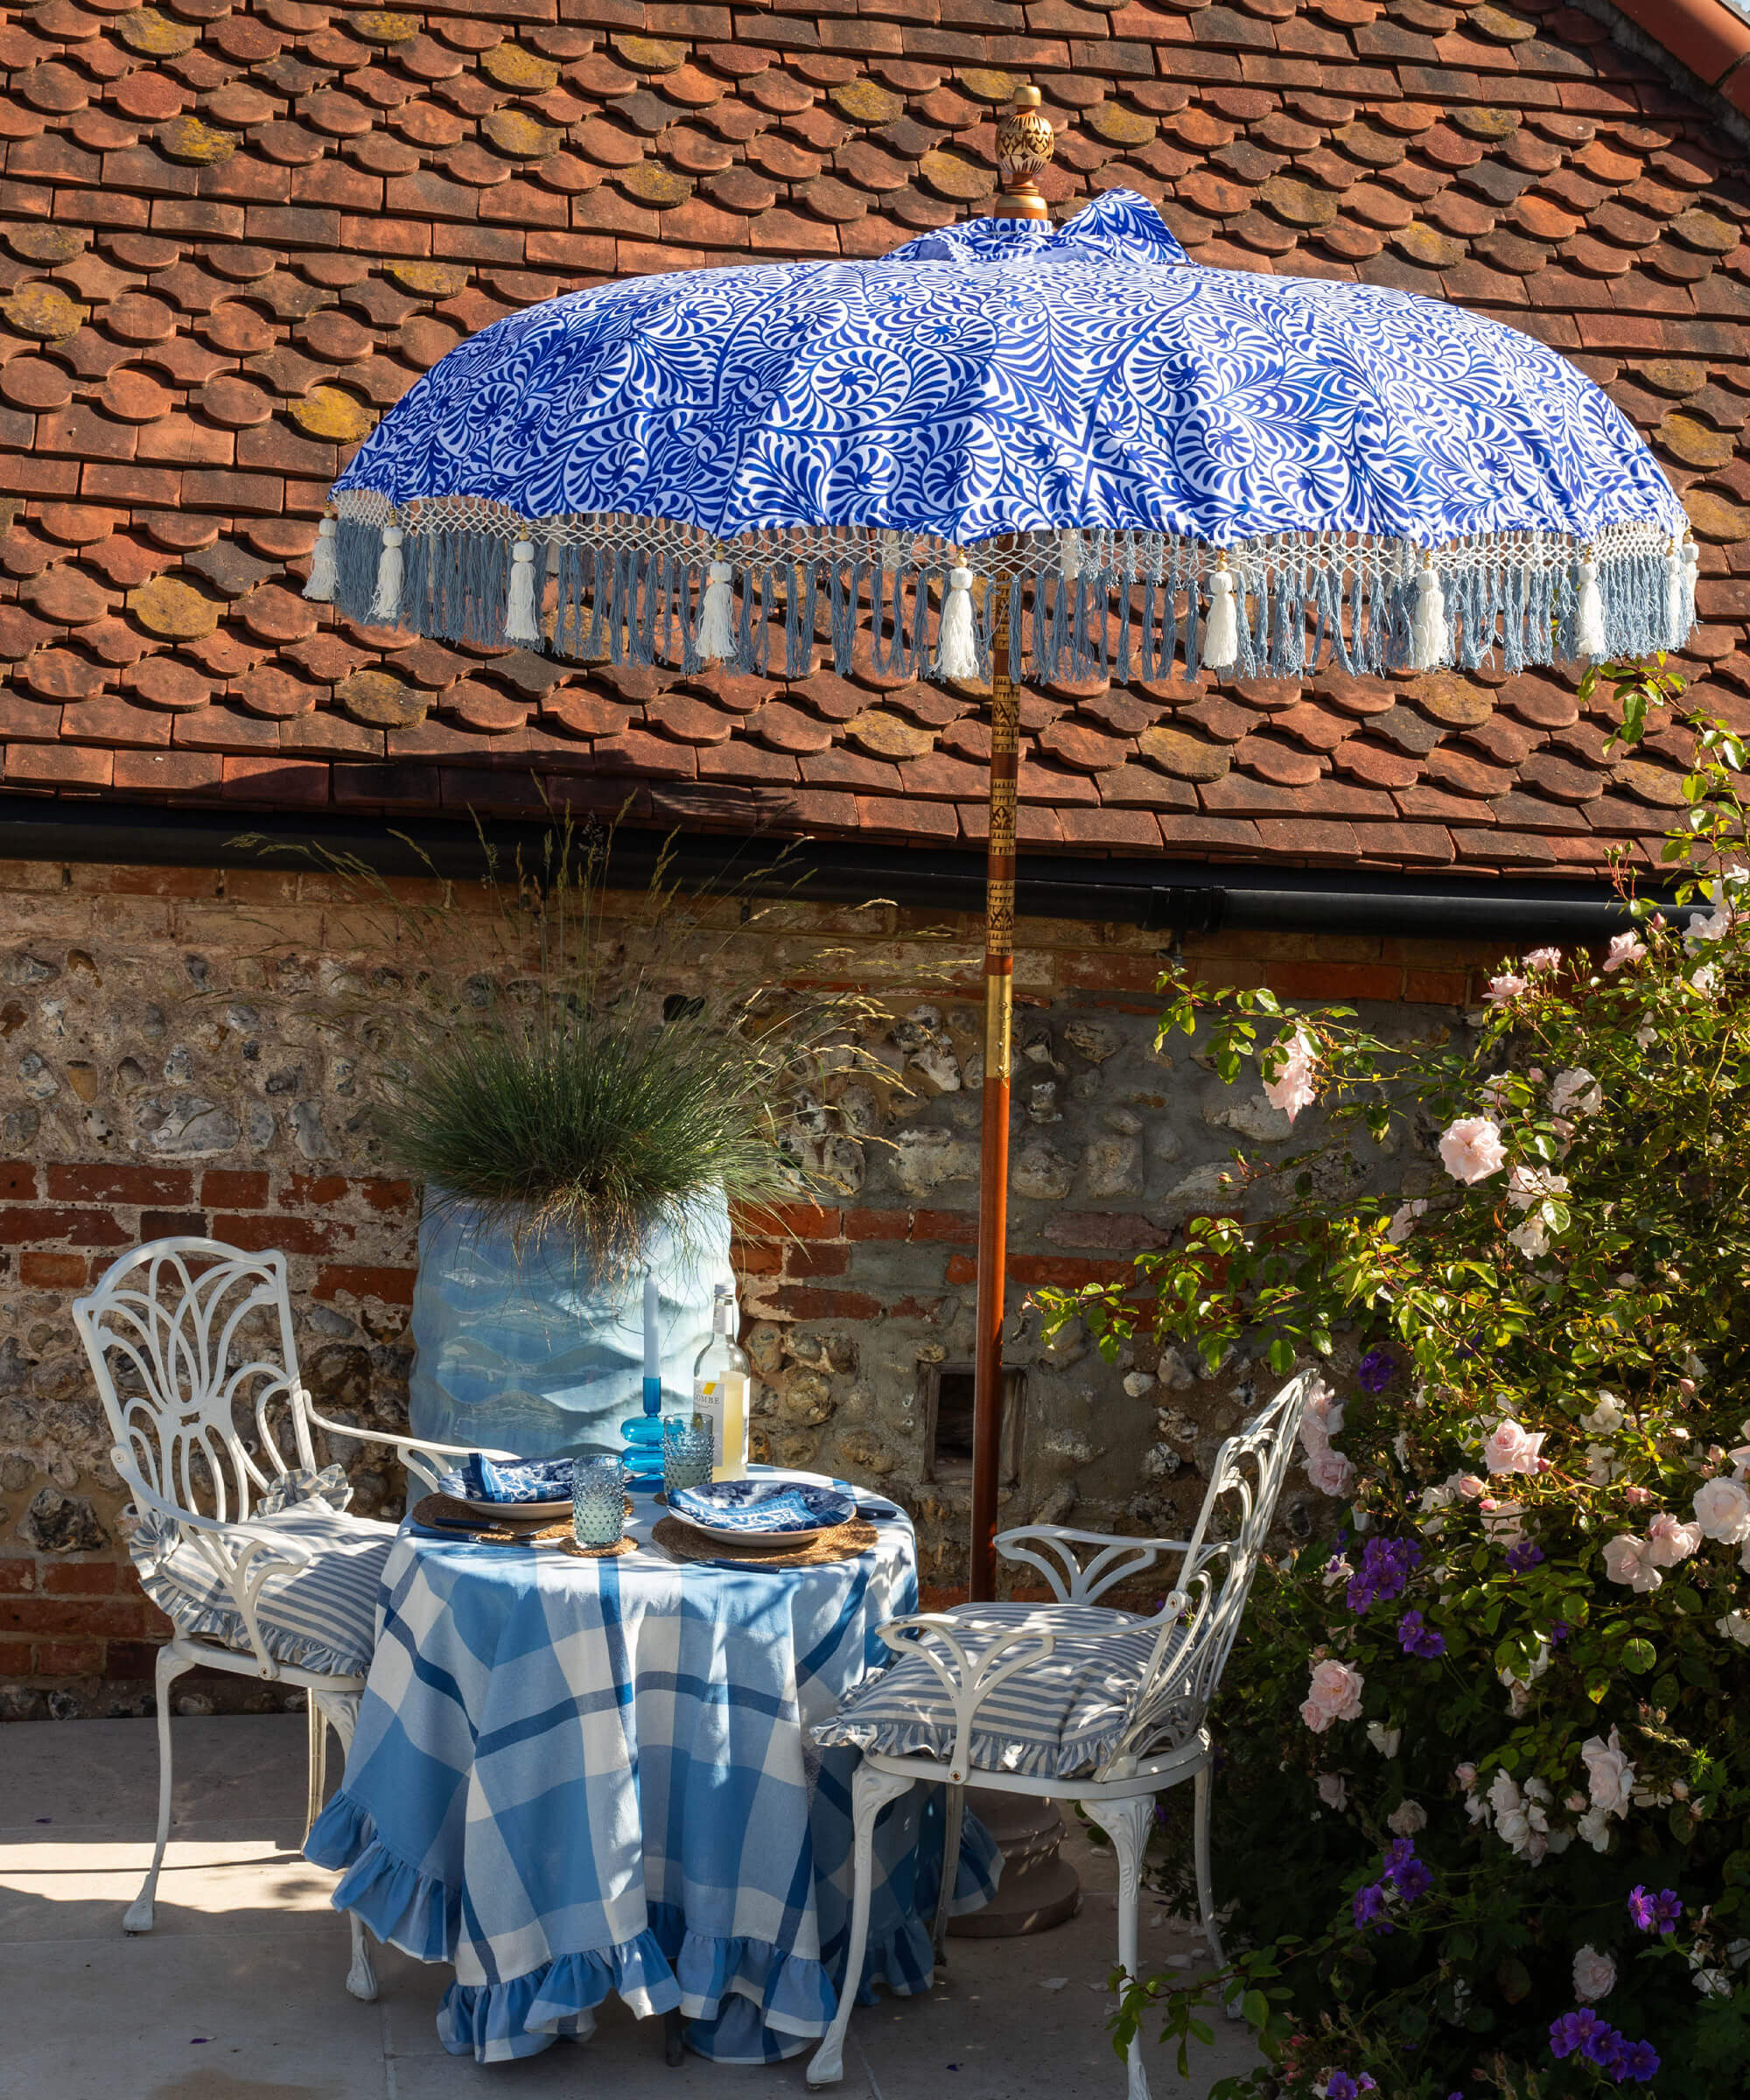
x=161 y=1328
x=1203 y=1613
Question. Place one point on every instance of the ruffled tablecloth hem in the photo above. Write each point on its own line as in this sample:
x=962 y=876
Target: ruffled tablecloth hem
x=496 y=2022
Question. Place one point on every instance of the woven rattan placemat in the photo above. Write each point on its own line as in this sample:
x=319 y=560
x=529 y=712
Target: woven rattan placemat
x=844 y=1542
x=445 y=1513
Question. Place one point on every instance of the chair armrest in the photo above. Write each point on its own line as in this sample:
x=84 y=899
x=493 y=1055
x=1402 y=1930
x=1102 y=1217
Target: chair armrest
x=415 y=1452
x=968 y=1685
x=1073 y=1582
x=242 y=1552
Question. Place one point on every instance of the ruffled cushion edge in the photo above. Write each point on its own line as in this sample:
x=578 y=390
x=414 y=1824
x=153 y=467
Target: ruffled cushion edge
x=217 y=1622
x=1073 y=1758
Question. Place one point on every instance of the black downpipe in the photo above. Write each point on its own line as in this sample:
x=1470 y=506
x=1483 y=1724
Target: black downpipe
x=1176 y=898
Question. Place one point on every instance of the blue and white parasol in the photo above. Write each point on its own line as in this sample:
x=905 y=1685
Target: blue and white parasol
x=1174 y=466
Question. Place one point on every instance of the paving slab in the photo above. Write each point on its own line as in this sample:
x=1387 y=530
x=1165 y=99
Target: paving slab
x=238 y=1993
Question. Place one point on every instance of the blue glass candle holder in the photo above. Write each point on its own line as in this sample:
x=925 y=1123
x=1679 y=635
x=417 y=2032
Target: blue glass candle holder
x=686 y=1455
x=598 y=1502
x=643 y=1438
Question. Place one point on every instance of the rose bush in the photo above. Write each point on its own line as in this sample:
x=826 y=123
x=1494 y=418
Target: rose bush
x=1485 y=1745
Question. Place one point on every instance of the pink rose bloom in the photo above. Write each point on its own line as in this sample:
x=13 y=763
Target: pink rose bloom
x=1575 y=1090
x=1504 y=989
x=1544 y=958
x=1669 y=1540
x=1334 y=1790
x=1722 y=1511
x=1467 y=1485
x=1609 y=1774
x=1638 y=1497
x=1594 y=1975
x=1624 y=949
x=1471 y=1149
x=1330 y=1471
x=1404 y=1222
x=1292 y=1088
x=1628 y=1560
x=1512 y=1449
x=1334 y=1692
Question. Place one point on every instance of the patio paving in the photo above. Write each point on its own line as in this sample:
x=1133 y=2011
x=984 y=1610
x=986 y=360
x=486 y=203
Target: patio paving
x=239 y=1993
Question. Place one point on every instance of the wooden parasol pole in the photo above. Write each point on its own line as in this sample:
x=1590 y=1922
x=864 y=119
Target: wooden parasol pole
x=1024 y=145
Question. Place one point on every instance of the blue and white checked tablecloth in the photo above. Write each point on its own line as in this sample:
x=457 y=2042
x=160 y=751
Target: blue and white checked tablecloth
x=577 y=1776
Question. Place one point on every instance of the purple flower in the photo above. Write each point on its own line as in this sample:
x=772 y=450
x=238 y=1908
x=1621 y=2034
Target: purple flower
x=1524 y=1555
x=1342 y=2087
x=1559 y=1630
x=1655 y=1913
x=1416 y=1638
x=1376 y=1369
x=1369 y=1907
x=1387 y=1564
x=1573 y=2030
x=1404 y=1871
x=1635 y=2059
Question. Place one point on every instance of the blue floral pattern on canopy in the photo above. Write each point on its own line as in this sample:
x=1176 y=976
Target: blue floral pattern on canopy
x=1079 y=408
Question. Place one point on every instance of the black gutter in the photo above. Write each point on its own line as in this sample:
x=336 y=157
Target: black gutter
x=1173 y=897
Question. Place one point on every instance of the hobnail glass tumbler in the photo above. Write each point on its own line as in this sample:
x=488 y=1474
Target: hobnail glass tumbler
x=686 y=1455
x=598 y=1502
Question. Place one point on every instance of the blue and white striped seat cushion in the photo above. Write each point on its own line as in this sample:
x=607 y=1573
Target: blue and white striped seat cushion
x=1056 y=1718
x=321 y=1617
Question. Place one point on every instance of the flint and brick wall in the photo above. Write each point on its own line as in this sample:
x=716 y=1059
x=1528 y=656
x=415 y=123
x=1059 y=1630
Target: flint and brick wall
x=163 y=1070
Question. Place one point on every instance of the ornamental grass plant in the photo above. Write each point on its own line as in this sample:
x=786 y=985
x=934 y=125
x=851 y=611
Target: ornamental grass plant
x=579 y=1061
x=1482 y=1812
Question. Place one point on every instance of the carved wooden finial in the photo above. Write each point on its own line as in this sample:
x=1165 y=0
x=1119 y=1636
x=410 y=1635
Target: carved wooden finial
x=1025 y=144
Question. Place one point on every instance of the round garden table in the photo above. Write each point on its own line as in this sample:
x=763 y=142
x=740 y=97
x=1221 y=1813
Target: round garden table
x=575 y=1776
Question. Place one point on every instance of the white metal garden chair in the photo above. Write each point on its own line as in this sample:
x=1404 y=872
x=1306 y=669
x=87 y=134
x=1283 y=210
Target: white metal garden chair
x=239 y=1538
x=1072 y=1701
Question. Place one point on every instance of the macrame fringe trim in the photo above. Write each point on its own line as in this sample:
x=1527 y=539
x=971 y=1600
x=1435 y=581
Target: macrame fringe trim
x=1083 y=605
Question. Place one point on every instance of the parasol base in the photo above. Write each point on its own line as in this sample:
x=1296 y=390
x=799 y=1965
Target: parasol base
x=1039 y=1888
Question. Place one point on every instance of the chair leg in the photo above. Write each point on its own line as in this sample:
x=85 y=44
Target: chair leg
x=138 y=1917
x=954 y=1809
x=1127 y=1824
x=318 y=1761
x=1201 y=1792
x=339 y=1709
x=871 y=1791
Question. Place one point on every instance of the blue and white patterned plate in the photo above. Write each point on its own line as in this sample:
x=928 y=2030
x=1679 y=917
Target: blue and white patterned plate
x=524 y=1489
x=768 y=1507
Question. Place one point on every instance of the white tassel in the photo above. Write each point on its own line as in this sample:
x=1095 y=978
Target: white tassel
x=1221 y=630
x=324 y=576
x=1069 y=554
x=1691 y=564
x=717 y=616
x=387 y=609
x=1676 y=626
x=956 y=654
x=520 y=623
x=1589 y=620
x=1428 y=630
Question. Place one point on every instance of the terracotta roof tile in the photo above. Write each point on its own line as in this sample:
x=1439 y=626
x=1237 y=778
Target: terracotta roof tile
x=269 y=224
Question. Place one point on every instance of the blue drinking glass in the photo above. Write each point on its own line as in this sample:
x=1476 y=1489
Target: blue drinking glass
x=598 y=1502
x=686 y=1455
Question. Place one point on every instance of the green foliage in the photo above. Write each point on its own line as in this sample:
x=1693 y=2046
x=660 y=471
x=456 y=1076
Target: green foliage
x=1537 y=1439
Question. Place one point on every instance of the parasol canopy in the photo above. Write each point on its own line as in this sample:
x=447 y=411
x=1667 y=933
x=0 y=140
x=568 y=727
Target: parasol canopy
x=1175 y=468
